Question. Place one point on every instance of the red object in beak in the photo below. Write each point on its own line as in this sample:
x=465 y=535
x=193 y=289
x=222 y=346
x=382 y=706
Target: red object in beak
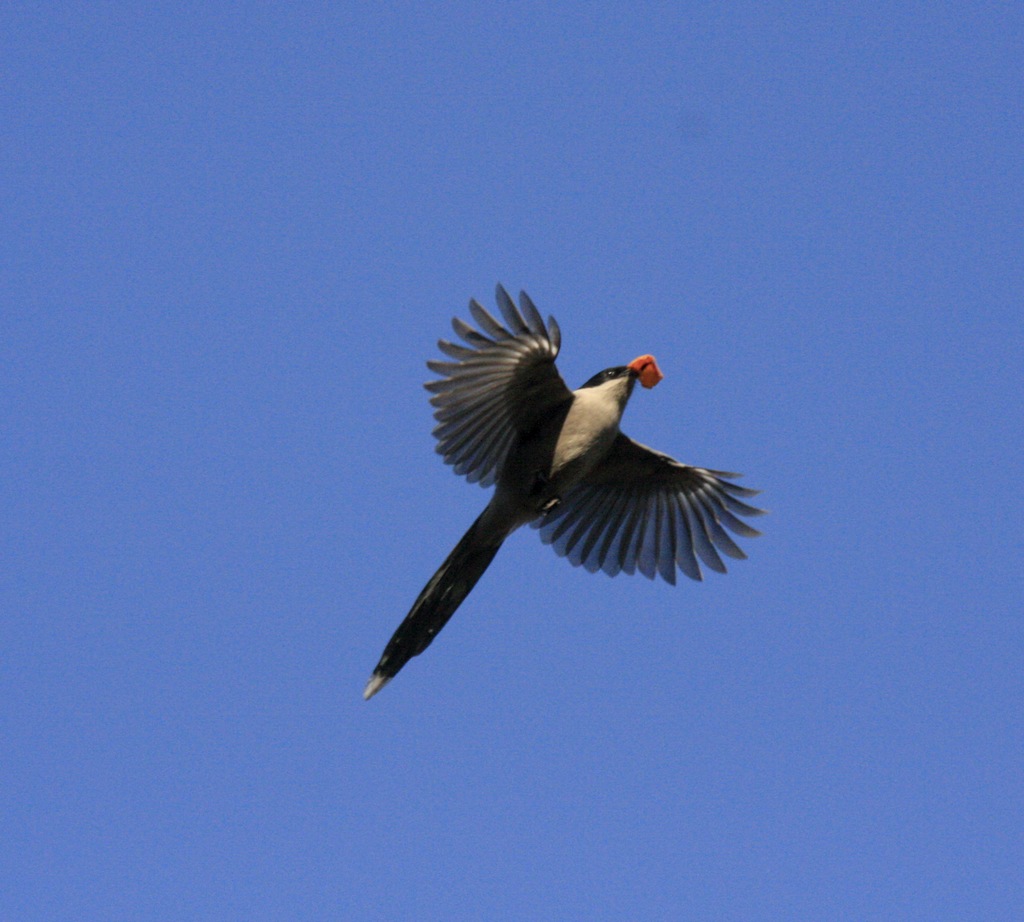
x=647 y=368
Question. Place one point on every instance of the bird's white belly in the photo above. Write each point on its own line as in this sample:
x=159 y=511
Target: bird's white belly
x=587 y=433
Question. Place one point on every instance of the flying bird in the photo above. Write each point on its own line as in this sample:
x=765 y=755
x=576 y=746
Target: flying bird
x=558 y=461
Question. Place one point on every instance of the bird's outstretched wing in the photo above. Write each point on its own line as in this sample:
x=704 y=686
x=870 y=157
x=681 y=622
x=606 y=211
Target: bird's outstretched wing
x=642 y=510
x=500 y=385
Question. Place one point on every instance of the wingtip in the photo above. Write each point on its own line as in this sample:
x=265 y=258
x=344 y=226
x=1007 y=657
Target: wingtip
x=376 y=683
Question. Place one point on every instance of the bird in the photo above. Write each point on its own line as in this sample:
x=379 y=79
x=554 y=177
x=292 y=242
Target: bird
x=558 y=462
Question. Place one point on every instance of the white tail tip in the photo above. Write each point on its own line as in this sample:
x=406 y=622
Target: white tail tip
x=376 y=683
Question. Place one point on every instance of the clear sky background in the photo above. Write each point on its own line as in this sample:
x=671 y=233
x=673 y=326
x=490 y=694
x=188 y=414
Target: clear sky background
x=232 y=235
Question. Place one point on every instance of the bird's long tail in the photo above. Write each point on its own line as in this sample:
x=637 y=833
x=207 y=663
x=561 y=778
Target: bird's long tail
x=437 y=602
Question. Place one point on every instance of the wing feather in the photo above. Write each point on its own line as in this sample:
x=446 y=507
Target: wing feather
x=628 y=531
x=600 y=533
x=454 y=350
x=686 y=560
x=486 y=322
x=667 y=541
x=511 y=314
x=531 y=314
x=496 y=387
x=701 y=539
x=647 y=543
x=642 y=510
x=609 y=556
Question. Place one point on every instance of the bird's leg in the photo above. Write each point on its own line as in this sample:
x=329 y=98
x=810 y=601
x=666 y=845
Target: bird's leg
x=541 y=483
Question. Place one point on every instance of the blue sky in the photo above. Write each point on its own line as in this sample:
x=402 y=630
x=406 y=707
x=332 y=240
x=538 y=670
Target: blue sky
x=233 y=235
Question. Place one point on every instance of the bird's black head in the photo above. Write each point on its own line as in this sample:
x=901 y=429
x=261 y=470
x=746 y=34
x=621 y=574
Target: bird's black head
x=610 y=374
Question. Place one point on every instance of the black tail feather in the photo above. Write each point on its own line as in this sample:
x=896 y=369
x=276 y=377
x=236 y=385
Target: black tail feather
x=438 y=601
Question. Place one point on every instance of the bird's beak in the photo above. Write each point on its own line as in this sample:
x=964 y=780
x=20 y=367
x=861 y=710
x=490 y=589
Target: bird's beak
x=646 y=369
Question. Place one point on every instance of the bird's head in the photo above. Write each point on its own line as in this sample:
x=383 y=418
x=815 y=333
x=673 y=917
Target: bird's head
x=617 y=382
x=643 y=369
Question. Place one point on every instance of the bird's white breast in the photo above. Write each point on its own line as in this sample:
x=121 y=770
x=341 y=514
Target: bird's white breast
x=589 y=429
